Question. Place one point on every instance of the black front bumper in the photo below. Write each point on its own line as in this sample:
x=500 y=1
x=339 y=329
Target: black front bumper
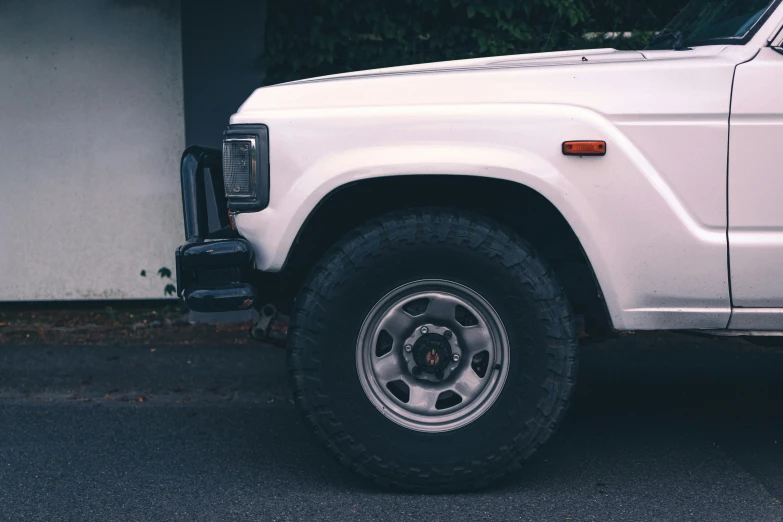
x=215 y=263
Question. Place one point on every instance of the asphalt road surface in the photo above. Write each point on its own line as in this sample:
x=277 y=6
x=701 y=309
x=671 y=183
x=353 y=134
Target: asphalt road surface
x=663 y=427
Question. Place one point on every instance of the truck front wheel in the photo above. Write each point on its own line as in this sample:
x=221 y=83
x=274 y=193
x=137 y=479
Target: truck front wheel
x=432 y=349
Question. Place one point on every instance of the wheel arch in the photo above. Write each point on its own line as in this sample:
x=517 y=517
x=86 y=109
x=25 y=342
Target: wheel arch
x=513 y=204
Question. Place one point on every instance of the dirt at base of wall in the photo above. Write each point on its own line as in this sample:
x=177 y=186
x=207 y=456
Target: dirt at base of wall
x=128 y=326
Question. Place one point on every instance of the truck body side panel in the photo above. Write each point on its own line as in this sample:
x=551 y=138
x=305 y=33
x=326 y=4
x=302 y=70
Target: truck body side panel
x=651 y=214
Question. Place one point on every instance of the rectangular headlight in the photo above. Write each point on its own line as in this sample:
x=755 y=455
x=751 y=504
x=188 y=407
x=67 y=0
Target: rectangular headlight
x=246 y=167
x=239 y=166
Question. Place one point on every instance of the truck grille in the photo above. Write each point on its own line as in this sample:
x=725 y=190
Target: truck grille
x=239 y=162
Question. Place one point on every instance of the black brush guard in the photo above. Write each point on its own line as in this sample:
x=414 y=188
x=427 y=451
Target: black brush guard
x=215 y=263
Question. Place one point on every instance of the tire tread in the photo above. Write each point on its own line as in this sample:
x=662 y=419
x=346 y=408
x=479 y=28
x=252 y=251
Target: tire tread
x=433 y=225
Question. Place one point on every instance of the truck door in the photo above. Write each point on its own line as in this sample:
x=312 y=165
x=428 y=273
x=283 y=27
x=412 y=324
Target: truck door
x=756 y=191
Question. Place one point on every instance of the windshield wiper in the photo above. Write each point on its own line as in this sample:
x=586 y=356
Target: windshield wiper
x=679 y=39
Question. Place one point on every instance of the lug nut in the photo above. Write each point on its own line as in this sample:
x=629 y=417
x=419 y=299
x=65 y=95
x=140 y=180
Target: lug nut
x=447 y=334
x=416 y=370
x=424 y=329
x=408 y=348
x=455 y=357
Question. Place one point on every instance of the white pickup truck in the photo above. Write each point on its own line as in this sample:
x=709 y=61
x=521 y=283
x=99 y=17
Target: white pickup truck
x=441 y=233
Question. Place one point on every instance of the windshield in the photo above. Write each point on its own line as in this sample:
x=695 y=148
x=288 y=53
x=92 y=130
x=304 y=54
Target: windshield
x=706 y=22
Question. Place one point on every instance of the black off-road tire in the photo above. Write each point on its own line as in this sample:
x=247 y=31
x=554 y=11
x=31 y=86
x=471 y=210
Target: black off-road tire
x=432 y=243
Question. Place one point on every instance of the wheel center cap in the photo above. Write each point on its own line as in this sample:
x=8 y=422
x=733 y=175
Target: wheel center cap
x=432 y=353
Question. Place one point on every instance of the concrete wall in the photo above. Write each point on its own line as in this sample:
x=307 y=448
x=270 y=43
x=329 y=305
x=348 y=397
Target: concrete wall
x=91 y=130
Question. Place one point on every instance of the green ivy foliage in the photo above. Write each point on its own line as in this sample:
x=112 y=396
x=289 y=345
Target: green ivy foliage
x=306 y=38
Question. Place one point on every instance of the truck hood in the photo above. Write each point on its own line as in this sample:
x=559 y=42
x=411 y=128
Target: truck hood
x=519 y=60
x=462 y=81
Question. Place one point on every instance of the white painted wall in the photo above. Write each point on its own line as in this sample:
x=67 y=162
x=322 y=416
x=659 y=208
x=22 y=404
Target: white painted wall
x=91 y=131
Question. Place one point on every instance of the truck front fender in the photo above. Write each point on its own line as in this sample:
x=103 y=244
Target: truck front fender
x=620 y=208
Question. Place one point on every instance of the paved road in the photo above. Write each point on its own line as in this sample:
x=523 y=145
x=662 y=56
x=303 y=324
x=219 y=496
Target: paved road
x=663 y=427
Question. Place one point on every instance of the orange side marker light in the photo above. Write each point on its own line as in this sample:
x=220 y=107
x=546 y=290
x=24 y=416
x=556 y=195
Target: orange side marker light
x=584 y=148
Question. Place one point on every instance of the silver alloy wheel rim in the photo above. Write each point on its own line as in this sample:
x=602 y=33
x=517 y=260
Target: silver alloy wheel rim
x=448 y=321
